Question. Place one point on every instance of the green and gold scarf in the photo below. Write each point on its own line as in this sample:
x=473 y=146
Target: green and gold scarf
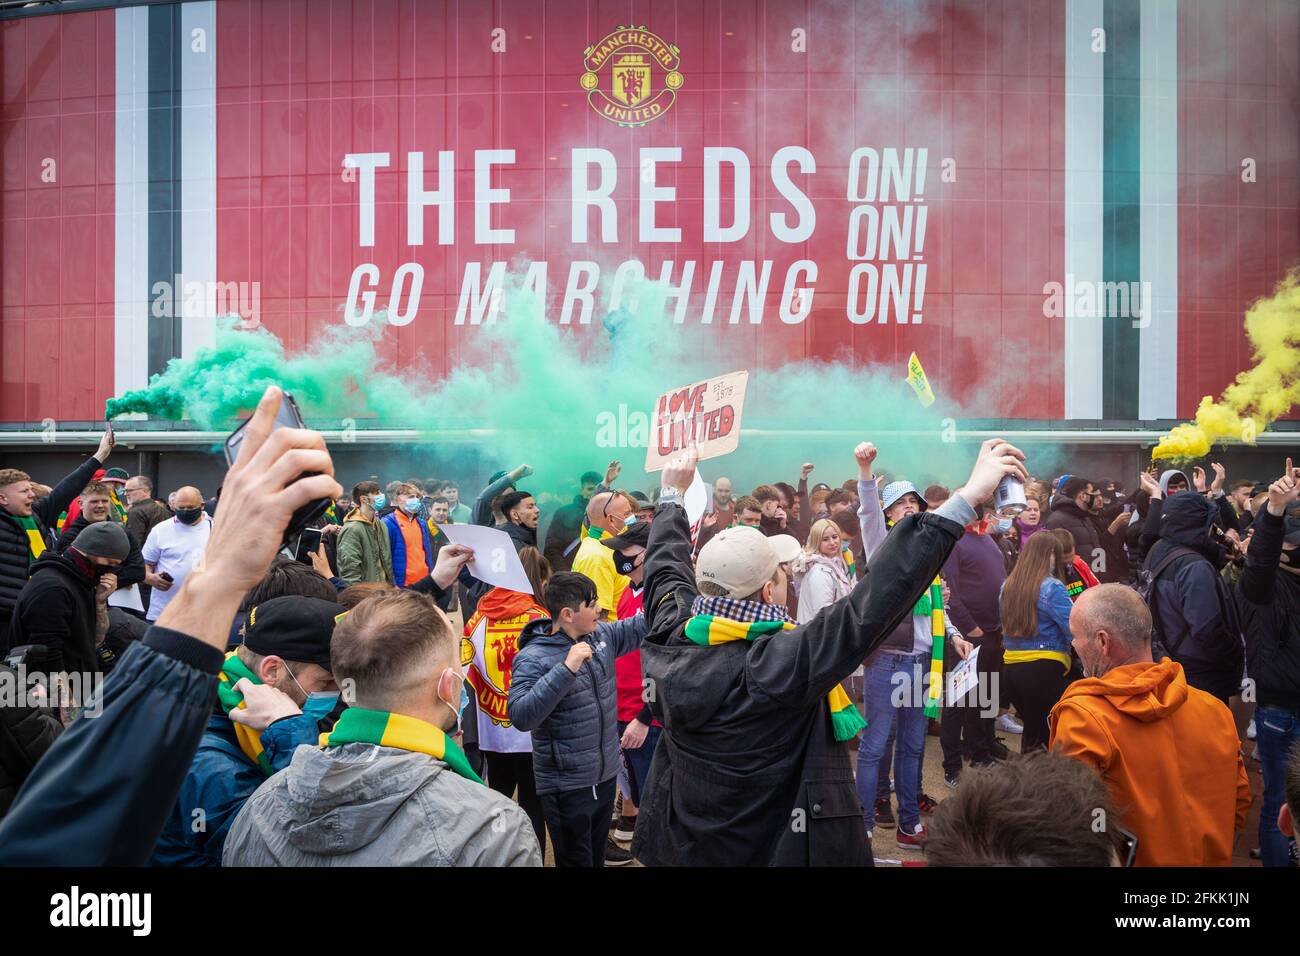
x=933 y=607
x=35 y=543
x=708 y=631
x=250 y=740
x=384 y=729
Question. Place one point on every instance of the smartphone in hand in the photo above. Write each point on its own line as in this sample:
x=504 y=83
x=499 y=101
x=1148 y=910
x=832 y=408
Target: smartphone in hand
x=308 y=544
x=287 y=417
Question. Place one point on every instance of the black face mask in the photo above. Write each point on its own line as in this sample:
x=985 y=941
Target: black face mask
x=624 y=564
x=189 y=515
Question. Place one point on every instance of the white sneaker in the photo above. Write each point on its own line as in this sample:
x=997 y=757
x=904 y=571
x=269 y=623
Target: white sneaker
x=1009 y=725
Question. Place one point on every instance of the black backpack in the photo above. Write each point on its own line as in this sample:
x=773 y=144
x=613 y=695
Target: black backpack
x=1145 y=585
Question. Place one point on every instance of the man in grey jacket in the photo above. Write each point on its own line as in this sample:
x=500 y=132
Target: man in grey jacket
x=389 y=786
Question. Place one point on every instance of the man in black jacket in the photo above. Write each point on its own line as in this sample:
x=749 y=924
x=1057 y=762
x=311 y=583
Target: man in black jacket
x=748 y=770
x=566 y=525
x=1268 y=597
x=1075 y=509
x=64 y=606
x=1191 y=606
x=25 y=523
x=519 y=508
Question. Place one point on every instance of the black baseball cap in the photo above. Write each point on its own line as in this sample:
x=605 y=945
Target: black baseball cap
x=637 y=534
x=292 y=627
x=634 y=535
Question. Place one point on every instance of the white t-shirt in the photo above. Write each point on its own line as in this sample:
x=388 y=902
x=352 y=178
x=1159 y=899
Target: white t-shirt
x=174 y=547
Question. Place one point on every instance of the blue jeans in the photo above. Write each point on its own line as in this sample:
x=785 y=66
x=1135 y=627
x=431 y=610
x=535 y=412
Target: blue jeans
x=1276 y=732
x=891 y=757
x=893 y=692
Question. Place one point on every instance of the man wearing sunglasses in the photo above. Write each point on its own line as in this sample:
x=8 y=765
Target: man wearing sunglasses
x=608 y=513
x=1168 y=752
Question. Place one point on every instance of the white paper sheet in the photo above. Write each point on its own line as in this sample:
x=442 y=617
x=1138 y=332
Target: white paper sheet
x=495 y=560
x=962 y=679
x=696 y=500
x=127 y=598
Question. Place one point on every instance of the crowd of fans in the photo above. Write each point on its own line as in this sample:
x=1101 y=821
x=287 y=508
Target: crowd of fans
x=197 y=689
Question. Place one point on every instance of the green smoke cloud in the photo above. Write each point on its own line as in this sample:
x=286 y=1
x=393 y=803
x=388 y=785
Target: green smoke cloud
x=550 y=395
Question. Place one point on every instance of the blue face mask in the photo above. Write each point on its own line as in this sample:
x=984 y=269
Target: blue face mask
x=411 y=505
x=460 y=709
x=319 y=705
x=378 y=501
x=1003 y=525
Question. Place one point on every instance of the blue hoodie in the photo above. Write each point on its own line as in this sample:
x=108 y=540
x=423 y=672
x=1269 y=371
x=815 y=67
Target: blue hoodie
x=1192 y=607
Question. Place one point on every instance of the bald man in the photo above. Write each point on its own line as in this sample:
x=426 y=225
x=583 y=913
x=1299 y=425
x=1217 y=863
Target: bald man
x=1168 y=752
x=607 y=514
x=173 y=547
x=724 y=506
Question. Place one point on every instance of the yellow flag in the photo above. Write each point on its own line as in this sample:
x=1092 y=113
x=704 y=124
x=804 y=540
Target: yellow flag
x=916 y=378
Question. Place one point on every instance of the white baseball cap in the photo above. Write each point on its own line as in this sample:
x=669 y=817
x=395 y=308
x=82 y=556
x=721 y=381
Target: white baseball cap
x=740 y=560
x=785 y=546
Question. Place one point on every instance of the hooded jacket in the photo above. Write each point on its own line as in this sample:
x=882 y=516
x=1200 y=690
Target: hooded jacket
x=15 y=563
x=1269 y=602
x=1169 y=755
x=367 y=805
x=1150 y=533
x=572 y=717
x=824 y=581
x=57 y=609
x=364 y=553
x=1192 y=608
x=748 y=771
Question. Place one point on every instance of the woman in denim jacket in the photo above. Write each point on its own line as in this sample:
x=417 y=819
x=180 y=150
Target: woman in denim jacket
x=1036 y=636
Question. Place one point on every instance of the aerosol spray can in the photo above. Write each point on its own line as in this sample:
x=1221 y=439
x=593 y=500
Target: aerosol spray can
x=1009 y=499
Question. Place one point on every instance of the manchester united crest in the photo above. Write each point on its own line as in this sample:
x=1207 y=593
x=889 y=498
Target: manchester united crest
x=632 y=76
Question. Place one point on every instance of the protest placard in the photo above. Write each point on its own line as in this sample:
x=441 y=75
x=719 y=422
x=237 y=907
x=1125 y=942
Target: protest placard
x=707 y=411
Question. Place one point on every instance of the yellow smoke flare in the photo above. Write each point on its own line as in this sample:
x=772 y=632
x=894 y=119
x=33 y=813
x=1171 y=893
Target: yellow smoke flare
x=1262 y=393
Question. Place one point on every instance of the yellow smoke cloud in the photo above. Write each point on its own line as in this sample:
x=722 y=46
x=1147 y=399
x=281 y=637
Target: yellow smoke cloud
x=1262 y=393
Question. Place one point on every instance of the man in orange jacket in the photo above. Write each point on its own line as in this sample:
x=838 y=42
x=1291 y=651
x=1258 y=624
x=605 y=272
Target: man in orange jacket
x=1169 y=753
